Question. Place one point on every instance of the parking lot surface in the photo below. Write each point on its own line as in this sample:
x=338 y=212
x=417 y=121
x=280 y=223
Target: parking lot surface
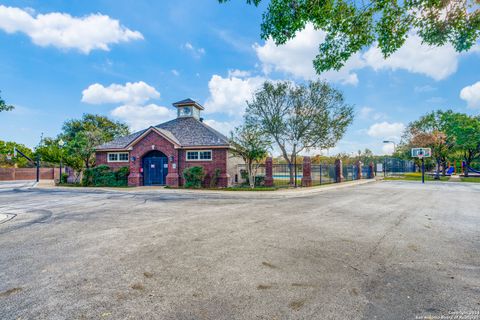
x=385 y=250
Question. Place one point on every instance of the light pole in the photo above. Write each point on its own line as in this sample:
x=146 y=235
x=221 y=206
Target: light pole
x=385 y=161
x=61 y=144
x=394 y=144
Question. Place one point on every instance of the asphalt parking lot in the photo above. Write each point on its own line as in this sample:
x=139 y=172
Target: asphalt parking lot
x=385 y=250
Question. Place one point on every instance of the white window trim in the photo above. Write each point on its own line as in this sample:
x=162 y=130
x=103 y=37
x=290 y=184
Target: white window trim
x=198 y=152
x=118 y=157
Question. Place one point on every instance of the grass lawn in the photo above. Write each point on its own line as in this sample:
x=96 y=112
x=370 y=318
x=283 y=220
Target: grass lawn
x=471 y=179
x=416 y=176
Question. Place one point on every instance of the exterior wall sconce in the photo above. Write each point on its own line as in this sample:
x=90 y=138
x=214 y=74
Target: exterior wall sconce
x=132 y=158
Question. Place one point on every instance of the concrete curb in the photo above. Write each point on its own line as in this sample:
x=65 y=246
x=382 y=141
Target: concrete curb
x=150 y=190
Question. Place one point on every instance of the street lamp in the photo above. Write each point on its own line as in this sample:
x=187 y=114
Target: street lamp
x=390 y=141
x=61 y=144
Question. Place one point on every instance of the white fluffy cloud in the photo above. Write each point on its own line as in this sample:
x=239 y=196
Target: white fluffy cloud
x=61 y=30
x=386 y=130
x=471 y=94
x=435 y=62
x=141 y=117
x=295 y=58
x=229 y=95
x=130 y=93
x=296 y=55
x=133 y=98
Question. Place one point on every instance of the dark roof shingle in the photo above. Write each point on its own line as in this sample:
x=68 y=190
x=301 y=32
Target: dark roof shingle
x=188 y=132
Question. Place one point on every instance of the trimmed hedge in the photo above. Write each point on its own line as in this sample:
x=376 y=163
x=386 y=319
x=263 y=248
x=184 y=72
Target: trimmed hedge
x=103 y=176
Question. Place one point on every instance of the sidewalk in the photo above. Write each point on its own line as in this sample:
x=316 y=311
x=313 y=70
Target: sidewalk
x=149 y=190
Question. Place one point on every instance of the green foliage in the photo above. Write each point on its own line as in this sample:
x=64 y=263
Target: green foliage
x=299 y=117
x=103 y=176
x=215 y=177
x=6 y=148
x=352 y=26
x=64 y=178
x=250 y=144
x=81 y=137
x=193 y=177
x=4 y=106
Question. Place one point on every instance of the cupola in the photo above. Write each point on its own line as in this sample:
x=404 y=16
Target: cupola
x=188 y=108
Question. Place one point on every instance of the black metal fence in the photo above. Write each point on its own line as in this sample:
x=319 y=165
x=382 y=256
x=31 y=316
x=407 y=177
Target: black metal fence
x=396 y=167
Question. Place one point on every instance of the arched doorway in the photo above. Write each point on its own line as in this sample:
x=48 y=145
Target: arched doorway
x=155 y=168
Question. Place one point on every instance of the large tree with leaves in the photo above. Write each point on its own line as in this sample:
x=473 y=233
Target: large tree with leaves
x=81 y=136
x=352 y=25
x=299 y=117
x=430 y=131
x=250 y=144
x=465 y=131
x=4 y=106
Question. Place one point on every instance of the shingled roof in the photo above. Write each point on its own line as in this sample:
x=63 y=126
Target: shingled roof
x=187 y=132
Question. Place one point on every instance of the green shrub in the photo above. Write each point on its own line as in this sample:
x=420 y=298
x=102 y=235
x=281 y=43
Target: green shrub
x=193 y=177
x=64 y=178
x=103 y=176
x=215 y=177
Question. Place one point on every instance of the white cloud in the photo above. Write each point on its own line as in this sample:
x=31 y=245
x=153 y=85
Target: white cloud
x=388 y=148
x=386 y=130
x=196 y=52
x=141 y=117
x=296 y=55
x=61 y=30
x=229 y=95
x=175 y=72
x=436 y=62
x=130 y=93
x=471 y=94
x=224 y=127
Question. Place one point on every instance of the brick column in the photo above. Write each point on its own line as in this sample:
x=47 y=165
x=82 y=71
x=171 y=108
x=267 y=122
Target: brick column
x=359 y=170
x=371 y=170
x=339 y=171
x=269 y=172
x=173 y=178
x=135 y=178
x=307 y=172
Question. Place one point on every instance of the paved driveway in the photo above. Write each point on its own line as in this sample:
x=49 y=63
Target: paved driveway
x=387 y=250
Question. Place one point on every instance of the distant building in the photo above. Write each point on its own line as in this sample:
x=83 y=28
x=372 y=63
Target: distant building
x=159 y=154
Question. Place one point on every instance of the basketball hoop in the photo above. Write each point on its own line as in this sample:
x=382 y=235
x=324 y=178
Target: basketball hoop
x=9 y=156
x=420 y=156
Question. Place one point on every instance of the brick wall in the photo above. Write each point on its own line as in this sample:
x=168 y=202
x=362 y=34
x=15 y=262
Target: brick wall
x=28 y=173
x=219 y=160
x=174 y=177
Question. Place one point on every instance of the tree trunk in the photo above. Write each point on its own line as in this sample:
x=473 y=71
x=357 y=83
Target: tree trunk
x=437 y=173
x=251 y=175
x=444 y=168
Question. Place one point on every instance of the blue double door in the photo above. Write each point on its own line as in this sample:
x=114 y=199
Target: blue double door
x=155 y=169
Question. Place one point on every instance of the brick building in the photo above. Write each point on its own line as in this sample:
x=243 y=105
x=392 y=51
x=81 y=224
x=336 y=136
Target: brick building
x=159 y=154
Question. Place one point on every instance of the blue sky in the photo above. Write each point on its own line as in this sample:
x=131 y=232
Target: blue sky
x=131 y=59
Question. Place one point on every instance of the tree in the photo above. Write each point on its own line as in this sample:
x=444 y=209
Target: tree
x=6 y=148
x=299 y=117
x=351 y=26
x=465 y=131
x=82 y=136
x=4 y=106
x=430 y=131
x=250 y=144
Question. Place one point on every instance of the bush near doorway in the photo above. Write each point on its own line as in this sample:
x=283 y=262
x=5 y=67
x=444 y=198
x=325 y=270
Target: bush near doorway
x=193 y=177
x=104 y=176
